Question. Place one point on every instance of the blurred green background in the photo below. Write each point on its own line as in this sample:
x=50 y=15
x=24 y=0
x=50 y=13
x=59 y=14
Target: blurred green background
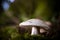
x=12 y=12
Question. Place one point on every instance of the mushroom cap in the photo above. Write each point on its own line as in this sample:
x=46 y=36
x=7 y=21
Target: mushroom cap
x=34 y=22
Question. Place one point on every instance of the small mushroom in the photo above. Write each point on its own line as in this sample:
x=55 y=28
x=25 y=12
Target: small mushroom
x=34 y=23
x=42 y=30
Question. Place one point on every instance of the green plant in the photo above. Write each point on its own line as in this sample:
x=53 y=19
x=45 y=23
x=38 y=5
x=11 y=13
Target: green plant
x=9 y=33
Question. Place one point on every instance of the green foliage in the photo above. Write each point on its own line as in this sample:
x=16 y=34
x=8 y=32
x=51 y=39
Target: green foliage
x=9 y=33
x=24 y=9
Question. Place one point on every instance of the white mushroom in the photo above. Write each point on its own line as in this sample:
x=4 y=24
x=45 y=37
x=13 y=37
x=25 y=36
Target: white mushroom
x=42 y=30
x=34 y=23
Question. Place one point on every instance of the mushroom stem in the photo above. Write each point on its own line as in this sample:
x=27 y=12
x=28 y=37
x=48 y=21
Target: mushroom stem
x=34 y=31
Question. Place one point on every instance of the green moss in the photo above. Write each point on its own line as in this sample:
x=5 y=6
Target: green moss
x=9 y=33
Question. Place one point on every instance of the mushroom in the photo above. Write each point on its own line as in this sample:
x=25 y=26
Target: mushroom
x=42 y=30
x=34 y=23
